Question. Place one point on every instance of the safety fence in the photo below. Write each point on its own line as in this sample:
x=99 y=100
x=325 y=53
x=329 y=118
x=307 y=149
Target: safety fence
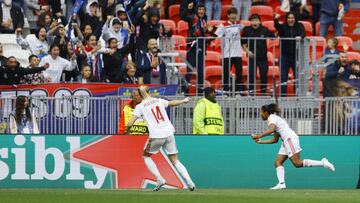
x=92 y=115
x=288 y=66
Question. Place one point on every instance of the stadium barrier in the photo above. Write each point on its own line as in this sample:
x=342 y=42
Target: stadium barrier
x=115 y=162
x=100 y=115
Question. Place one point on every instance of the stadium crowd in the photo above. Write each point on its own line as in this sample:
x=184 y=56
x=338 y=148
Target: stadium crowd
x=117 y=41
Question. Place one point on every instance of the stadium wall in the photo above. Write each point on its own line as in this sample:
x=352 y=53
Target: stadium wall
x=114 y=162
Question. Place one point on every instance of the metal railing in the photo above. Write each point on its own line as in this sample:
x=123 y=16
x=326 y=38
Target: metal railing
x=93 y=115
x=307 y=51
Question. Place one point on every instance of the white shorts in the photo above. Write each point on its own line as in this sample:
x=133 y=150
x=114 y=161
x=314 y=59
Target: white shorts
x=153 y=145
x=290 y=146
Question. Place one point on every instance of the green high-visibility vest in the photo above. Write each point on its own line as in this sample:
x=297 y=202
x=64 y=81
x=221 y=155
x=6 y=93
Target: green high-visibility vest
x=213 y=122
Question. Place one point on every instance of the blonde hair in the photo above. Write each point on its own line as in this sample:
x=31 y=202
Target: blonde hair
x=144 y=92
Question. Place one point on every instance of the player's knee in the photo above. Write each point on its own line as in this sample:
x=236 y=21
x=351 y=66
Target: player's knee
x=298 y=164
x=277 y=164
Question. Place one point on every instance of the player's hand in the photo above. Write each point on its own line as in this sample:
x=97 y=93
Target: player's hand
x=258 y=140
x=254 y=136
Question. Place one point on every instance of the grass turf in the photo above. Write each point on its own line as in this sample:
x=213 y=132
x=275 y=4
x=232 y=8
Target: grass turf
x=174 y=196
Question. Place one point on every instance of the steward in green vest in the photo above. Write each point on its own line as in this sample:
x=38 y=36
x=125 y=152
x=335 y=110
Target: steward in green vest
x=207 y=115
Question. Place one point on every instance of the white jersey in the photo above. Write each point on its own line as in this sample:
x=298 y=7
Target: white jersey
x=153 y=112
x=231 y=44
x=282 y=127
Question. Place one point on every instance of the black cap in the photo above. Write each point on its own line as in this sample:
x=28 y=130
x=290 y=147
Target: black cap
x=116 y=21
x=254 y=16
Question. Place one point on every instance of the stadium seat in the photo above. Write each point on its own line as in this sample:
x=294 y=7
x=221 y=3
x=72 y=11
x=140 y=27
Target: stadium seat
x=244 y=22
x=212 y=58
x=179 y=42
x=308 y=27
x=224 y=9
x=169 y=24
x=270 y=25
x=265 y=12
x=226 y=2
x=273 y=46
x=174 y=12
x=215 y=23
x=183 y=54
x=353 y=55
x=343 y=39
x=320 y=44
x=273 y=3
x=213 y=74
x=218 y=85
x=216 y=45
x=182 y=28
x=8 y=38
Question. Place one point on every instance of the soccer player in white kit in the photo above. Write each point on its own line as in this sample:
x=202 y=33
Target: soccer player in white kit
x=161 y=134
x=290 y=147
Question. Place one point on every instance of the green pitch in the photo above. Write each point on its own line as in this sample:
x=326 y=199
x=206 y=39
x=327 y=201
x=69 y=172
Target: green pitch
x=174 y=196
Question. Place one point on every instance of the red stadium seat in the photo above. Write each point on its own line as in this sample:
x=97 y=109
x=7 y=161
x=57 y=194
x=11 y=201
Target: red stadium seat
x=216 y=45
x=283 y=14
x=353 y=55
x=183 y=54
x=265 y=12
x=169 y=24
x=179 y=42
x=270 y=25
x=226 y=2
x=213 y=74
x=215 y=23
x=308 y=28
x=342 y=40
x=174 y=12
x=273 y=3
x=212 y=58
x=182 y=28
x=245 y=22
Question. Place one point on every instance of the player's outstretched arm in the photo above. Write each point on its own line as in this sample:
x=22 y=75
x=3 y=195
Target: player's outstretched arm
x=275 y=139
x=269 y=131
x=130 y=123
x=178 y=102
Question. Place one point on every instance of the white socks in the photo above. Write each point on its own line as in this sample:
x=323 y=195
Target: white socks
x=152 y=168
x=280 y=173
x=183 y=172
x=311 y=163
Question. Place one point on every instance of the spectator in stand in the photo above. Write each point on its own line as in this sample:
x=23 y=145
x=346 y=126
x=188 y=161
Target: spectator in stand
x=121 y=13
x=34 y=8
x=130 y=76
x=198 y=29
x=86 y=75
x=243 y=7
x=188 y=11
x=231 y=49
x=36 y=78
x=354 y=70
x=150 y=66
x=148 y=20
x=114 y=59
x=168 y=4
x=113 y=28
x=92 y=17
x=22 y=119
x=45 y=20
x=257 y=55
x=12 y=72
x=58 y=36
x=3 y=59
x=90 y=54
x=300 y=9
x=316 y=5
x=107 y=8
x=332 y=46
x=11 y=17
x=57 y=64
x=291 y=28
x=71 y=76
x=37 y=43
x=332 y=12
x=340 y=69
x=213 y=9
x=86 y=31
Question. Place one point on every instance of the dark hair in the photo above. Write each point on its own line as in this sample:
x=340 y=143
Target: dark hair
x=255 y=16
x=336 y=41
x=232 y=10
x=208 y=90
x=271 y=109
x=53 y=46
x=38 y=31
x=20 y=107
x=41 y=19
x=354 y=62
x=32 y=56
